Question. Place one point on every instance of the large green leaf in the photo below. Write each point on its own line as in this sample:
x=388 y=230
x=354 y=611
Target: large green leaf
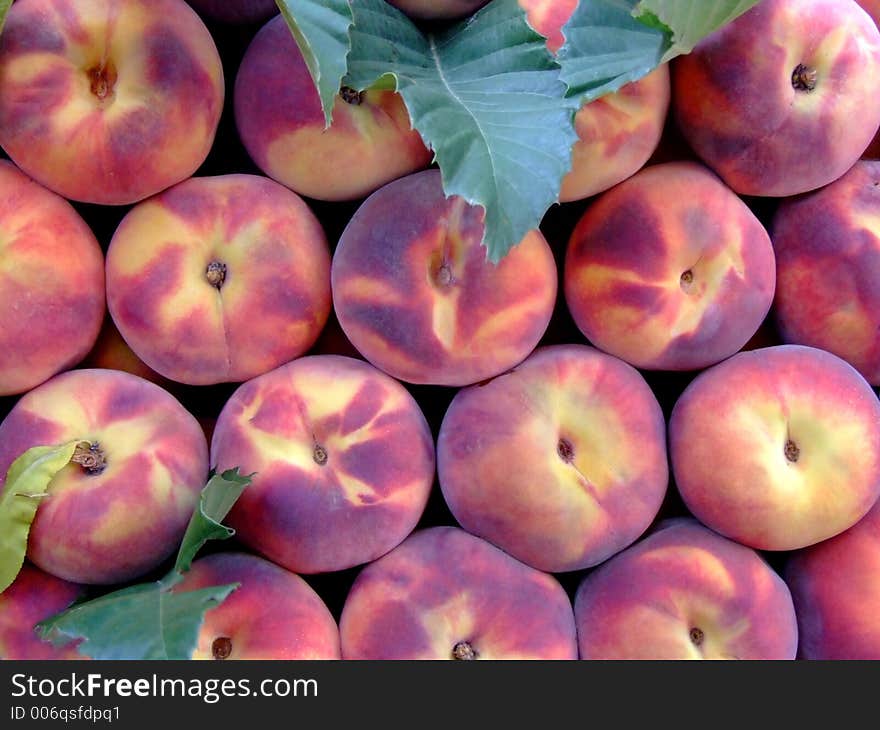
x=148 y=620
x=486 y=97
x=606 y=47
x=25 y=485
x=321 y=30
x=690 y=20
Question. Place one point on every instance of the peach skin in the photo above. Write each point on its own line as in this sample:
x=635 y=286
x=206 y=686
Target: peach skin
x=561 y=462
x=415 y=294
x=344 y=462
x=445 y=594
x=669 y=270
x=777 y=448
x=108 y=101
x=219 y=279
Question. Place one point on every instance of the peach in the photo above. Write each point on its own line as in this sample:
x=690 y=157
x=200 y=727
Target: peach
x=273 y=614
x=445 y=594
x=281 y=124
x=33 y=597
x=120 y=508
x=684 y=592
x=669 y=270
x=827 y=247
x=51 y=283
x=777 y=448
x=344 y=463
x=108 y=101
x=872 y=7
x=836 y=591
x=783 y=99
x=438 y=9
x=415 y=294
x=561 y=462
x=219 y=279
x=111 y=352
x=236 y=12
x=617 y=132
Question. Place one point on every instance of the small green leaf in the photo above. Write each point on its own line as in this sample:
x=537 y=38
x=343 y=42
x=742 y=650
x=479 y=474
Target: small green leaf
x=148 y=620
x=606 y=48
x=217 y=498
x=486 y=96
x=690 y=20
x=26 y=483
x=144 y=621
x=321 y=30
x=4 y=8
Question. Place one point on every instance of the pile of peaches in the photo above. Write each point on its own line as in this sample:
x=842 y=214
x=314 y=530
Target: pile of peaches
x=649 y=431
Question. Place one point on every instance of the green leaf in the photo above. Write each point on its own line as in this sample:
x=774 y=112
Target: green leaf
x=321 y=30
x=4 y=8
x=26 y=483
x=606 y=48
x=144 y=621
x=149 y=620
x=217 y=498
x=690 y=20
x=486 y=97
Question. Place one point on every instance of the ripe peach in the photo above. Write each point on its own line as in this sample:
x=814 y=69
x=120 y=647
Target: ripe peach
x=782 y=100
x=561 y=462
x=438 y=9
x=273 y=614
x=618 y=132
x=111 y=352
x=120 y=508
x=669 y=270
x=836 y=591
x=445 y=594
x=827 y=247
x=108 y=101
x=344 y=462
x=280 y=122
x=51 y=283
x=777 y=448
x=33 y=597
x=685 y=592
x=219 y=279
x=415 y=294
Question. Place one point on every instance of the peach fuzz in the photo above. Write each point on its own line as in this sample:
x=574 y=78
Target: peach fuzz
x=827 y=247
x=669 y=270
x=617 y=132
x=684 y=592
x=561 y=462
x=33 y=597
x=836 y=591
x=445 y=594
x=108 y=101
x=415 y=293
x=281 y=124
x=438 y=9
x=51 y=283
x=219 y=279
x=273 y=614
x=777 y=448
x=782 y=100
x=344 y=463
x=120 y=508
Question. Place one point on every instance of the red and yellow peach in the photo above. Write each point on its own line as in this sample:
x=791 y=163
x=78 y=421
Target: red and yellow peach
x=445 y=594
x=51 y=283
x=415 y=294
x=669 y=270
x=219 y=279
x=561 y=462
x=777 y=448
x=108 y=101
x=281 y=124
x=344 y=462
x=685 y=592
x=120 y=508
